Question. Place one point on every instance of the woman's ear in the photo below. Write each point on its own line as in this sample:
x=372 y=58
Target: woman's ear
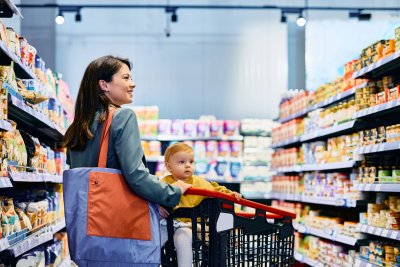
x=103 y=85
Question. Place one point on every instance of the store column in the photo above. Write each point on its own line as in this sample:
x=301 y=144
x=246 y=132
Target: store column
x=296 y=56
x=39 y=28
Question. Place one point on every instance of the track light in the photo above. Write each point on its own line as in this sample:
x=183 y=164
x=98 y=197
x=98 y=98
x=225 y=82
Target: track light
x=78 y=17
x=60 y=18
x=174 y=17
x=360 y=16
x=301 y=21
x=283 y=18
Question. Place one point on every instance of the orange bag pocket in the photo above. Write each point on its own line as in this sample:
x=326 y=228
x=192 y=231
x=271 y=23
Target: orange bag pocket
x=114 y=210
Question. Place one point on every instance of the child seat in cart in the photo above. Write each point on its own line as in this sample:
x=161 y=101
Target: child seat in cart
x=222 y=237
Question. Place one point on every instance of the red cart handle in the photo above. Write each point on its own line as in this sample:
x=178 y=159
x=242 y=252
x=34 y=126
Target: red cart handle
x=243 y=202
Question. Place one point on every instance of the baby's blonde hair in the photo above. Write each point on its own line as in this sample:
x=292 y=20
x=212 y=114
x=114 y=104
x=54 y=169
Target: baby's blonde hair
x=175 y=148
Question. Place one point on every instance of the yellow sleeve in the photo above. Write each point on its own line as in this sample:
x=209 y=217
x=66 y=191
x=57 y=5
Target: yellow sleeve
x=220 y=188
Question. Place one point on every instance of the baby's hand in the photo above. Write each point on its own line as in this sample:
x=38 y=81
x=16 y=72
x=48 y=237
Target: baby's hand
x=236 y=195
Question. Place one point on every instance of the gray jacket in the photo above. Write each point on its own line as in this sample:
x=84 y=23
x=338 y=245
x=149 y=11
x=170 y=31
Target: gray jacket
x=125 y=153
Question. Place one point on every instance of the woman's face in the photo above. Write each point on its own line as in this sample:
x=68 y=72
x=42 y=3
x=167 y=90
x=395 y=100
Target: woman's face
x=120 y=89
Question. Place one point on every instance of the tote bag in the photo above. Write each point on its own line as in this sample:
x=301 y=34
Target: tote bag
x=107 y=223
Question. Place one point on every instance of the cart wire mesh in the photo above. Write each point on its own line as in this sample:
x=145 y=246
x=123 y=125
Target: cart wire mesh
x=252 y=240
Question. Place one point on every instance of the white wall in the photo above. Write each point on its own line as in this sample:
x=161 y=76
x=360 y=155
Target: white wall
x=230 y=63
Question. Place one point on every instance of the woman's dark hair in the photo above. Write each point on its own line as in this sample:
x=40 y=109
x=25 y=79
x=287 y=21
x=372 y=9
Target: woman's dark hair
x=91 y=99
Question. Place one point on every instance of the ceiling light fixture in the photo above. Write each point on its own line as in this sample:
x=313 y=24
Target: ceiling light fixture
x=301 y=21
x=60 y=18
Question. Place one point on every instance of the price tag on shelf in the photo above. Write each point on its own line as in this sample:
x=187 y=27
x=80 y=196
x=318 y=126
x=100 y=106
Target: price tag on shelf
x=368 y=149
x=4 y=244
x=378 y=187
x=367 y=187
x=357 y=263
x=375 y=109
x=364 y=227
x=378 y=231
x=385 y=233
x=394 y=235
x=375 y=148
x=370 y=230
x=368 y=265
x=381 y=147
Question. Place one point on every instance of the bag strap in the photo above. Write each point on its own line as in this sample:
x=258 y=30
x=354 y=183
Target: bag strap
x=105 y=134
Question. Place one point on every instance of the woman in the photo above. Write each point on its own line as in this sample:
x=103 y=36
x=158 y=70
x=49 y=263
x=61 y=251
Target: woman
x=107 y=84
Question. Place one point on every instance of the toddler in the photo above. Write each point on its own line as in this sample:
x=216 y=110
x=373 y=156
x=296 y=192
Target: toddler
x=179 y=161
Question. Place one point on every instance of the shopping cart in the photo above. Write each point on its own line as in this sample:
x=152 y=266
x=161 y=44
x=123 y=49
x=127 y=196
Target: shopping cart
x=222 y=237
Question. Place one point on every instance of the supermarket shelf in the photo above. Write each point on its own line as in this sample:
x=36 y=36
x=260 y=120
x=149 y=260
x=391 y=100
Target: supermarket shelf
x=294 y=168
x=384 y=187
x=328 y=166
x=304 y=259
x=391 y=146
x=188 y=138
x=5 y=182
x=337 y=129
x=327 y=234
x=390 y=106
x=333 y=99
x=317 y=167
x=288 y=142
x=21 y=71
x=42 y=236
x=331 y=201
x=338 y=97
x=283 y=196
x=363 y=263
x=32 y=121
x=34 y=177
x=295 y=116
x=379 y=68
x=378 y=231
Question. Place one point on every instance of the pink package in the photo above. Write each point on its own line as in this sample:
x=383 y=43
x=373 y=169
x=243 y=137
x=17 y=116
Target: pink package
x=236 y=149
x=231 y=128
x=177 y=127
x=216 y=128
x=224 y=149
x=211 y=149
x=203 y=129
x=199 y=148
x=190 y=128
x=164 y=127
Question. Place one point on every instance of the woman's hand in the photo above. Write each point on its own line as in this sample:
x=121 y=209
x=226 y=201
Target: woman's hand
x=182 y=185
x=163 y=212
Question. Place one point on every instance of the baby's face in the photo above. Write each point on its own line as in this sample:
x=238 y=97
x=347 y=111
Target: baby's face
x=181 y=165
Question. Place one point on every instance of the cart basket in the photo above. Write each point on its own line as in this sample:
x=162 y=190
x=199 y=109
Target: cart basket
x=222 y=237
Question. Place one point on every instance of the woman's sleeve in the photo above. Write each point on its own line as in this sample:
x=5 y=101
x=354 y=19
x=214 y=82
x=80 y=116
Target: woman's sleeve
x=129 y=153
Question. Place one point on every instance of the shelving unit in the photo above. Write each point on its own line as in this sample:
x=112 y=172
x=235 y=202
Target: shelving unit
x=378 y=187
x=317 y=167
x=35 y=177
x=30 y=120
x=35 y=123
x=43 y=235
x=380 y=68
x=329 y=234
x=362 y=120
x=372 y=230
x=332 y=100
x=169 y=138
